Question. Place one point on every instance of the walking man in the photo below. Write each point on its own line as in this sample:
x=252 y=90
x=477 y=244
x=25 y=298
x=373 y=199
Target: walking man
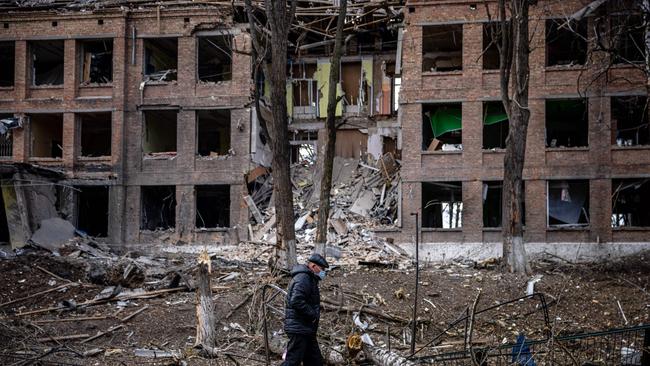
x=303 y=312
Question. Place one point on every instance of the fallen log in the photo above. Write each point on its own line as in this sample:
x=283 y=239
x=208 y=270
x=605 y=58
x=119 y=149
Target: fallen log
x=383 y=357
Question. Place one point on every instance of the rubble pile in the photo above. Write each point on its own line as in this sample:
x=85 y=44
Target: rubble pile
x=365 y=197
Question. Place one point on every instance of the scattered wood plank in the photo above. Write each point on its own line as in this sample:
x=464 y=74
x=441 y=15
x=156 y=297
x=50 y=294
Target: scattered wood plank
x=101 y=334
x=63 y=338
x=129 y=317
x=77 y=319
x=38 y=294
x=51 y=274
x=256 y=212
x=330 y=305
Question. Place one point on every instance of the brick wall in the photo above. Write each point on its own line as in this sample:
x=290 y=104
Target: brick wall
x=599 y=163
x=127 y=171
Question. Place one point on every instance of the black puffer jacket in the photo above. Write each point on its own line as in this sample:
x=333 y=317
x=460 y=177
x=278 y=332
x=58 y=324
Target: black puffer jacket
x=303 y=302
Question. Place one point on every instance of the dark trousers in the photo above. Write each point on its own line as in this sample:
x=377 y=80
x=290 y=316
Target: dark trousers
x=303 y=348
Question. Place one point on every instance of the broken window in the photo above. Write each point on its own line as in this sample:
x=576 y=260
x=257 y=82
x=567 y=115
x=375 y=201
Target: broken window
x=95 y=134
x=47 y=62
x=303 y=153
x=92 y=210
x=97 y=61
x=160 y=59
x=159 y=135
x=46 y=135
x=212 y=206
x=442 y=205
x=492 y=204
x=568 y=203
x=215 y=58
x=442 y=127
x=304 y=90
x=566 y=43
x=158 y=207
x=495 y=125
x=7 y=60
x=567 y=123
x=630 y=202
x=6 y=139
x=628 y=34
x=213 y=132
x=629 y=121
x=491 y=39
x=442 y=47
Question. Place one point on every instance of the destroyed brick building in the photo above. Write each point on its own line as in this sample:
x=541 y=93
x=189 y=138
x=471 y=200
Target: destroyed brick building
x=140 y=120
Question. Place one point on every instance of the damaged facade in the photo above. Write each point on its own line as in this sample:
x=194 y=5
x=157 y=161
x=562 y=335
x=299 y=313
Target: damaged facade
x=146 y=113
x=139 y=131
x=587 y=147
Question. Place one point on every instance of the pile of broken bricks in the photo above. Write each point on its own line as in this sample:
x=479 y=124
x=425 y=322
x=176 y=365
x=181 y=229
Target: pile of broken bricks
x=365 y=197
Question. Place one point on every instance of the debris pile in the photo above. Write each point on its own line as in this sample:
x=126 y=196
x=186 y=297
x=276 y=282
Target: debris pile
x=365 y=197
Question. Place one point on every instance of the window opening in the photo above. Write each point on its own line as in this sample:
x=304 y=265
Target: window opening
x=92 y=210
x=161 y=59
x=159 y=132
x=568 y=203
x=442 y=205
x=442 y=127
x=629 y=121
x=212 y=206
x=46 y=135
x=8 y=61
x=630 y=202
x=158 y=207
x=213 y=133
x=95 y=134
x=567 y=123
x=215 y=58
x=97 y=61
x=442 y=47
x=47 y=62
x=566 y=44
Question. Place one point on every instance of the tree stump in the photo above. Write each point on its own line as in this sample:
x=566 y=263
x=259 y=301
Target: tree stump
x=205 y=316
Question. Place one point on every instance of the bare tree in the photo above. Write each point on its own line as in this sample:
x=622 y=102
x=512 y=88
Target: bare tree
x=514 y=68
x=330 y=134
x=279 y=15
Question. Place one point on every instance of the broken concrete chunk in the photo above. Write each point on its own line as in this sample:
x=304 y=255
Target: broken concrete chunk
x=53 y=233
x=301 y=222
x=339 y=226
x=363 y=204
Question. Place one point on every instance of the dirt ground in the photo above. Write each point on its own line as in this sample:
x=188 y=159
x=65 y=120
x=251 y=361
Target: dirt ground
x=579 y=298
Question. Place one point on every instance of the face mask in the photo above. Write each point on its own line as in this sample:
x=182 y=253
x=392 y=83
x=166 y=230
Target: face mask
x=321 y=275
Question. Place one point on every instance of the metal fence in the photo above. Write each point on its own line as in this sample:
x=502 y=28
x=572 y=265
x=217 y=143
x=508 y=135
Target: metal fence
x=624 y=346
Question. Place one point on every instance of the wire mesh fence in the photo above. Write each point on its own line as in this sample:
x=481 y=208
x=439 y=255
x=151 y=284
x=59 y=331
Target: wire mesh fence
x=624 y=346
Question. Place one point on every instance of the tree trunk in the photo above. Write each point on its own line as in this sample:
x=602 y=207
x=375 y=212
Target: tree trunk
x=515 y=51
x=330 y=138
x=646 y=48
x=205 y=316
x=279 y=20
x=383 y=357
